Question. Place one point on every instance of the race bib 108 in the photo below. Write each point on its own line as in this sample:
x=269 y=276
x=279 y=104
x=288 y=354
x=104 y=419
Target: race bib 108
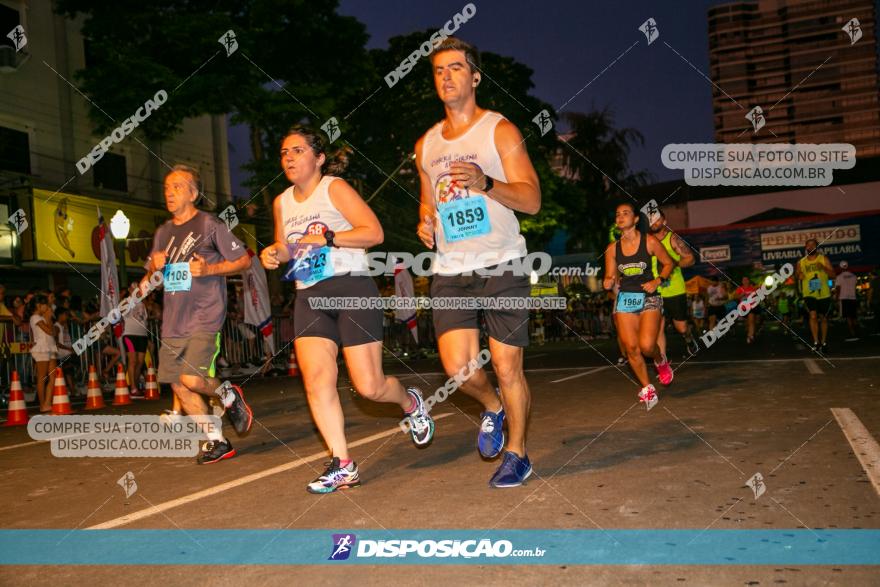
x=177 y=277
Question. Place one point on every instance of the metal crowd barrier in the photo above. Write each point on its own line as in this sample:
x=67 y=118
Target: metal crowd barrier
x=241 y=345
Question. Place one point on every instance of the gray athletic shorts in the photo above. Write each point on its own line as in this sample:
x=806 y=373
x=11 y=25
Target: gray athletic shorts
x=193 y=355
x=507 y=326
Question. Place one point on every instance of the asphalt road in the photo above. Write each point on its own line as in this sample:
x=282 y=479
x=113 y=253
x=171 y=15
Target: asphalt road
x=602 y=462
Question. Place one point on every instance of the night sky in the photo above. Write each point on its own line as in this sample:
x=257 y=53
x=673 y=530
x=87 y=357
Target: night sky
x=567 y=44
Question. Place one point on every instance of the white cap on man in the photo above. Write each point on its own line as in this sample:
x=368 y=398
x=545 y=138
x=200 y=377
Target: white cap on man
x=844 y=265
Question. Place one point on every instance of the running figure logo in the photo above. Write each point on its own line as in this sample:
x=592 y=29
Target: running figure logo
x=19 y=39
x=757 y=485
x=18 y=220
x=342 y=547
x=229 y=42
x=649 y=27
x=128 y=484
x=331 y=127
x=854 y=29
x=447 y=189
x=756 y=117
x=652 y=211
x=544 y=122
x=229 y=217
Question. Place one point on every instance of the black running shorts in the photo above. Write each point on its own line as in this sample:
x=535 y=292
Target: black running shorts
x=509 y=326
x=821 y=307
x=345 y=327
x=675 y=307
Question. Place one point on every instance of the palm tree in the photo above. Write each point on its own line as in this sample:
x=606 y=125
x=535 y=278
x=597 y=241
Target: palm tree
x=596 y=157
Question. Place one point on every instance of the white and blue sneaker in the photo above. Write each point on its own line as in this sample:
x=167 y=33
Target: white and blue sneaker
x=490 y=440
x=513 y=472
x=421 y=424
x=335 y=477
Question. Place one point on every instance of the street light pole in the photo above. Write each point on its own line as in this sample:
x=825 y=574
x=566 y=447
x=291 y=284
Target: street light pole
x=119 y=226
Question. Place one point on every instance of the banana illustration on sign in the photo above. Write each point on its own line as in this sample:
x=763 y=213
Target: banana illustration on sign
x=63 y=226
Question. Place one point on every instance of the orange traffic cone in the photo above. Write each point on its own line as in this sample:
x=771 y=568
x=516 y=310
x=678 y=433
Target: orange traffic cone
x=60 y=399
x=151 y=387
x=94 y=397
x=292 y=367
x=121 y=397
x=17 y=414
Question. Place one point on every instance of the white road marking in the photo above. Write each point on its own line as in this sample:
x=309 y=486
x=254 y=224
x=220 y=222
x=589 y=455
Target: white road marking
x=863 y=444
x=159 y=508
x=576 y=375
x=11 y=446
x=813 y=367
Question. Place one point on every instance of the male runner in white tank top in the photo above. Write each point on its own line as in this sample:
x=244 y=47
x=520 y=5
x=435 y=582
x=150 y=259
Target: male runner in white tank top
x=475 y=172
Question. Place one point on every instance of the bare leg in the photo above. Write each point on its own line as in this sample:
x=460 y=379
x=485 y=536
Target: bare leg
x=507 y=362
x=364 y=364
x=457 y=347
x=317 y=360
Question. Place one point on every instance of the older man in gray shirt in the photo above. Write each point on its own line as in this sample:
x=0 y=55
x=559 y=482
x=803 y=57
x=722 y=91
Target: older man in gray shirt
x=196 y=252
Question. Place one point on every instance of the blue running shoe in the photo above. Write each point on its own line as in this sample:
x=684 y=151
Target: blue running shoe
x=490 y=440
x=512 y=472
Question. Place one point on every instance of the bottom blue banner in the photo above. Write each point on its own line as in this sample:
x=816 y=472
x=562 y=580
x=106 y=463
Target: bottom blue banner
x=457 y=547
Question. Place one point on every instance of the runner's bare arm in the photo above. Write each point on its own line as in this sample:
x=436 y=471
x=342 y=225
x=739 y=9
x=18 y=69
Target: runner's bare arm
x=684 y=251
x=366 y=231
x=521 y=191
x=659 y=251
x=198 y=267
x=829 y=268
x=426 y=201
x=276 y=253
x=610 y=271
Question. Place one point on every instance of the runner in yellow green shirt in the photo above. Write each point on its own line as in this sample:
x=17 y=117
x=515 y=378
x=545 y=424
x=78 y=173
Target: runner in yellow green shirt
x=675 y=306
x=813 y=273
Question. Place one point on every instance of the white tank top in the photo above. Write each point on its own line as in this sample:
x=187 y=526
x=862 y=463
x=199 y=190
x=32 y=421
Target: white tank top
x=503 y=241
x=315 y=216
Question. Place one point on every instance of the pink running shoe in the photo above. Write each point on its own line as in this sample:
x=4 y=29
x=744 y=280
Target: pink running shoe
x=648 y=395
x=664 y=371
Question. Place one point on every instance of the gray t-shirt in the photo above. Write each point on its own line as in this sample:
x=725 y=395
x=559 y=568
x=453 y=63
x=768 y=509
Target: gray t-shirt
x=203 y=307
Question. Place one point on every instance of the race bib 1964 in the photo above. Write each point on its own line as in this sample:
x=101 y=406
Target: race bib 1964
x=630 y=301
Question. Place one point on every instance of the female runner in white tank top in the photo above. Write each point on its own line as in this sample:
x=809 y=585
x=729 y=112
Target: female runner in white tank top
x=324 y=224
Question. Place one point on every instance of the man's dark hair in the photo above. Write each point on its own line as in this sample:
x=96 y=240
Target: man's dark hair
x=455 y=44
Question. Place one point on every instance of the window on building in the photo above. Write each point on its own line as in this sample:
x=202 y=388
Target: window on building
x=9 y=19
x=110 y=173
x=15 y=151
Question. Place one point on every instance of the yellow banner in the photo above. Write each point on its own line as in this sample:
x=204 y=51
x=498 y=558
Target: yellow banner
x=66 y=228
x=545 y=289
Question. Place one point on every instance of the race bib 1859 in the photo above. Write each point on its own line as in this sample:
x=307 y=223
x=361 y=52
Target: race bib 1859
x=630 y=301
x=465 y=218
x=177 y=277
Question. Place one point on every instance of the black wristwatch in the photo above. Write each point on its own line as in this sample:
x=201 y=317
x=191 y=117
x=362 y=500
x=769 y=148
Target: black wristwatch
x=328 y=236
x=490 y=183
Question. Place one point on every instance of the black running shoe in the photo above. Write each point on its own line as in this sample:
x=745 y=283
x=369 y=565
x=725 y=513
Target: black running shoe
x=240 y=415
x=215 y=450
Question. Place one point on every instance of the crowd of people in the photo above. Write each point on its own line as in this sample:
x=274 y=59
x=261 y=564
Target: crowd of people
x=322 y=228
